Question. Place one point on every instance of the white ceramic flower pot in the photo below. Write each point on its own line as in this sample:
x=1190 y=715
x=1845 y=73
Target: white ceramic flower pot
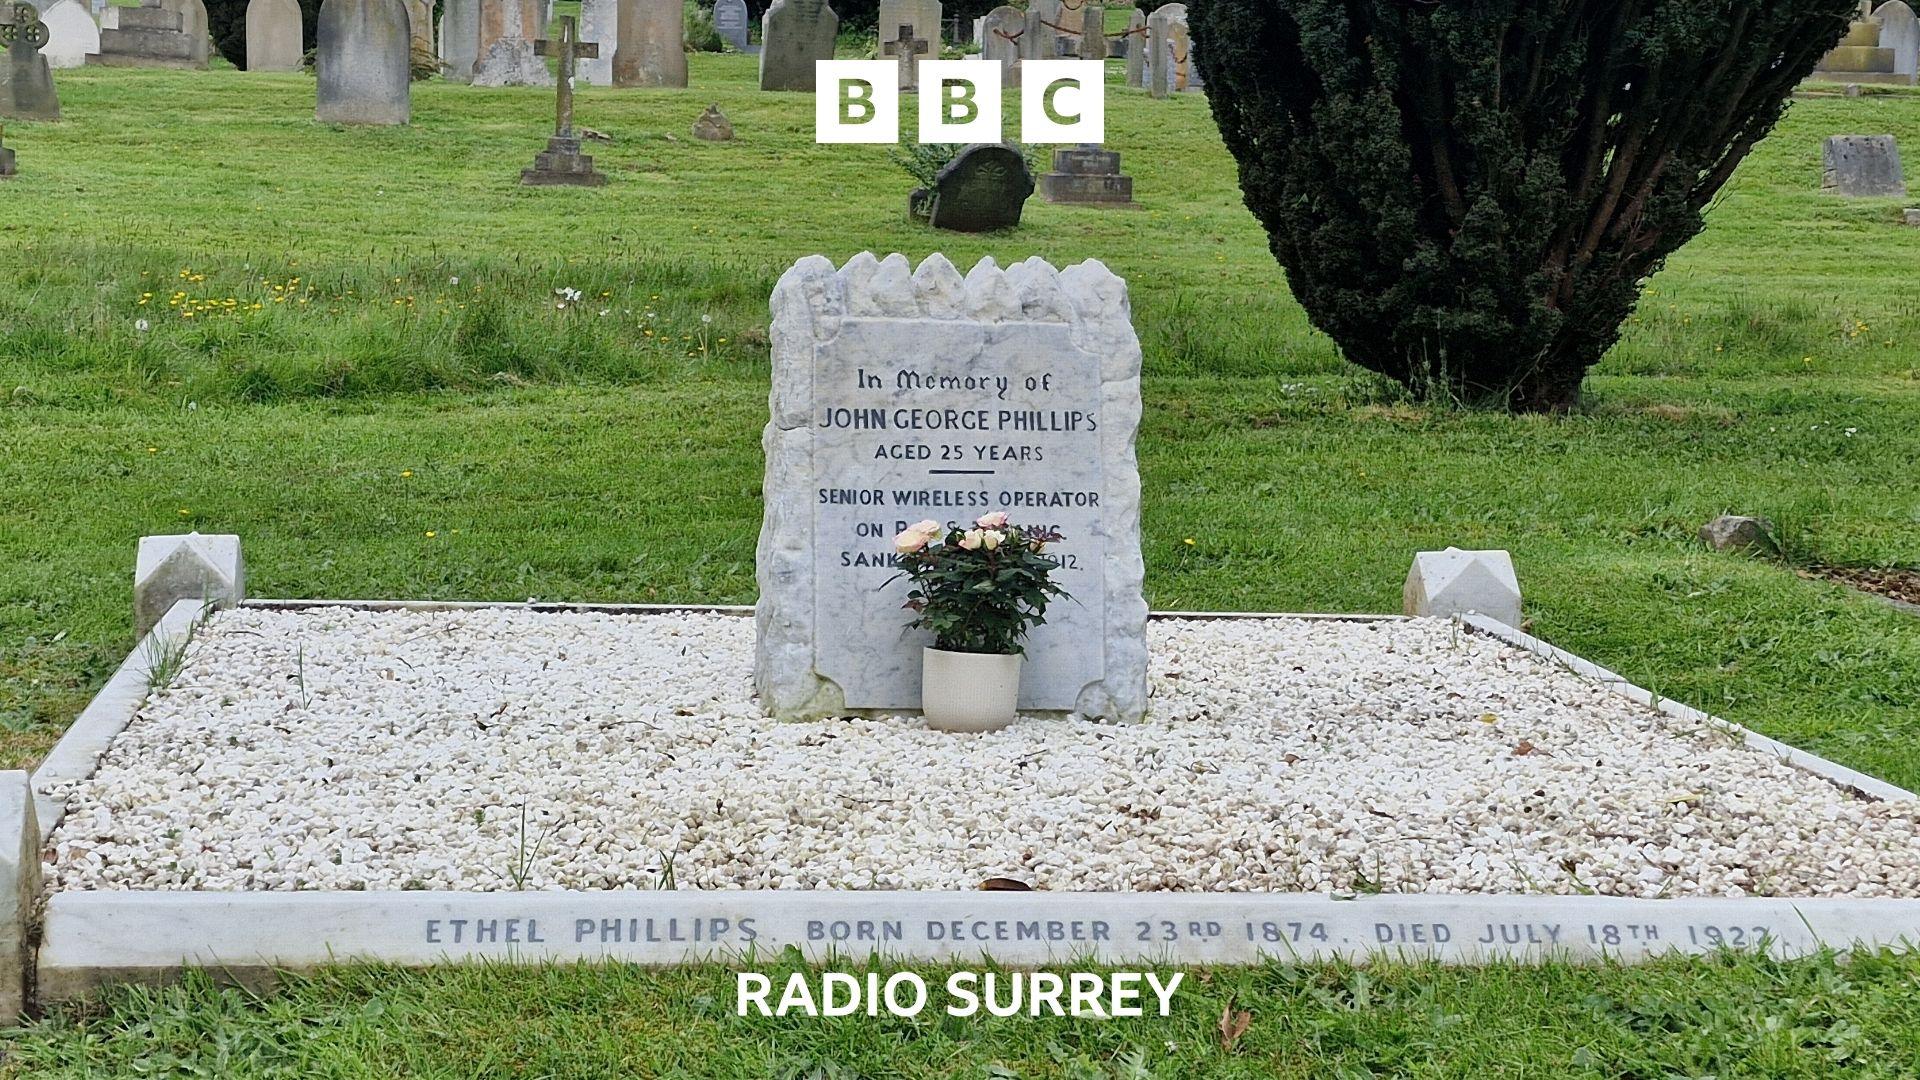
x=968 y=691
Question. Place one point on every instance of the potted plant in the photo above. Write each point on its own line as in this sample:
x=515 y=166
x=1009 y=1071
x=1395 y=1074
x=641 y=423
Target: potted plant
x=979 y=590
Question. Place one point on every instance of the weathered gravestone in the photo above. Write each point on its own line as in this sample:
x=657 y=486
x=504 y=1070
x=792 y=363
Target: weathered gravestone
x=420 y=28
x=599 y=22
x=1861 y=55
x=984 y=187
x=459 y=38
x=1042 y=39
x=7 y=160
x=1071 y=26
x=1862 y=166
x=1000 y=34
x=72 y=35
x=1137 y=48
x=362 y=64
x=731 y=23
x=1195 y=82
x=562 y=163
x=193 y=23
x=26 y=81
x=907 y=51
x=147 y=36
x=276 y=36
x=901 y=395
x=1089 y=176
x=1093 y=34
x=652 y=48
x=793 y=35
x=1167 y=45
x=506 y=56
x=712 y=125
x=1900 y=31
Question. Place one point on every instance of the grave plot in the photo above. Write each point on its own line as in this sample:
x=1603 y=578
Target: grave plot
x=311 y=781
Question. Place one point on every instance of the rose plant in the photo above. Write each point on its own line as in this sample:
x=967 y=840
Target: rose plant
x=979 y=589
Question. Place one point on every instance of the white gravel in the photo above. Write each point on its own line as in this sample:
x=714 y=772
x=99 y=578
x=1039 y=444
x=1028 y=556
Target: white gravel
x=342 y=749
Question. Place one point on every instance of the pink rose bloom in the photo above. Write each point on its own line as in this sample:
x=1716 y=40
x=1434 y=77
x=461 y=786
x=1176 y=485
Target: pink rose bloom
x=909 y=541
x=995 y=520
x=972 y=539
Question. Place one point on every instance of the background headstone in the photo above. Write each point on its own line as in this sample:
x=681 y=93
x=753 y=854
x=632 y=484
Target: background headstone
x=730 y=22
x=8 y=163
x=508 y=29
x=420 y=26
x=1862 y=166
x=984 y=187
x=1045 y=359
x=72 y=35
x=922 y=15
x=147 y=36
x=276 y=37
x=1137 y=48
x=712 y=125
x=1088 y=176
x=794 y=34
x=1167 y=46
x=599 y=22
x=1042 y=41
x=1071 y=26
x=652 y=40
x=459 y=38
x=1900 y=31
x=1093 y=35
x=361 y=63
x=1001 y=32
x=26 y=81
x=193 y=23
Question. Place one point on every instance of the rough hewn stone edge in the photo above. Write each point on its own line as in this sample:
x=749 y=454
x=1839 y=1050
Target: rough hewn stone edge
x=1851 y=779
x=94 y=938
x=807 y=305
x=78 y=752
x=20 y=889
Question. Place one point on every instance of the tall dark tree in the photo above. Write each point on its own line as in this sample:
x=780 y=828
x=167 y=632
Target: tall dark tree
x=1468 y=194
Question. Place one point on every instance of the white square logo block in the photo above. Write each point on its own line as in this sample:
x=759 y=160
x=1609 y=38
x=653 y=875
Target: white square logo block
x=856 y=101
x=959 y=101
x=1063 y=101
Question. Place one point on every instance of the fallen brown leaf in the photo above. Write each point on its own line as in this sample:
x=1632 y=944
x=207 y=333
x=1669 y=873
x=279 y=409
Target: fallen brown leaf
x=1233 y=1025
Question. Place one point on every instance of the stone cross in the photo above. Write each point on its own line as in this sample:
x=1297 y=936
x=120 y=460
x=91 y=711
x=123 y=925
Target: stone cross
x=26 y=32
x=908 y=48
x=569 y=48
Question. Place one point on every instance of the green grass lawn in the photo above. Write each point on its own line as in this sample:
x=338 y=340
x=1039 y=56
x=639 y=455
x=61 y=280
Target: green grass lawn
x=352 y=339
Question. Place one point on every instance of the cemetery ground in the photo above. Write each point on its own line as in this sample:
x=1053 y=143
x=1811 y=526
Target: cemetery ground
x=395 y=372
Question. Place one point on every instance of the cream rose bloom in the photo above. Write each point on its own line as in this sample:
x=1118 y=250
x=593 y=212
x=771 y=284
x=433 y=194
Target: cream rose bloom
x=972 y=539
x=995 y=520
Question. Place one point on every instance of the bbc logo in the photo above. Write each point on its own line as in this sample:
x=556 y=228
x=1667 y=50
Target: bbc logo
x=1061 y=101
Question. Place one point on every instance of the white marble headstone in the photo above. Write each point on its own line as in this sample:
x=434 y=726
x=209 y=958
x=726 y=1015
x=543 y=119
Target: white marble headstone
x=71 y=34
x=901 y=395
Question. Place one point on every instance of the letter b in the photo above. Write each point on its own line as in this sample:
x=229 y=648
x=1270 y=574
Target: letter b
x=857 y=101
x=960 y=102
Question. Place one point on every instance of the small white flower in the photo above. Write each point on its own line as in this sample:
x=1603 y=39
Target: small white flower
x=706 y=318
x=142 y=325
x=453 y=280
x=1852 y=431
x=604 y=312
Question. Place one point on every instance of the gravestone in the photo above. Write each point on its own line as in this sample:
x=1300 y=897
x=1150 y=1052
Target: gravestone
x=652 y=48
x=1862 y=166
x=1860 y=57
x=1167 y=50
x=712 y=125
x=562 y=163
x=1042 y=40
x=1087 y=176
x=7 y=160
x=1195 y=83
x=460 y=38
x=1071 y=26
x=1001 y=32
x=1093 y=42
x=901 y=395
x=72 y=35
x=506 y=57
x=147 y=36
x=420 y=28
x=907 y=51
x=1900 y=31
x=730 y=22
x=26 y=81
x=984 y=187
x=276 y=37
x=1137 y=49
x=361 y=63
x=599 y=22
x=193 y=23
x=793 y=35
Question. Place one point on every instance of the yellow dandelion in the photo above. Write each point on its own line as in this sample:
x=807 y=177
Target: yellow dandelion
x=1188 y=541
x=153 y=449
x=431 y=534
x=406 y=472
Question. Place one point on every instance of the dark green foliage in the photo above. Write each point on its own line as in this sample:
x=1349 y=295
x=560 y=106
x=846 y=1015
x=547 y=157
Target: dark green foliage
x=1468 y=195
x=865 y=14
x=978 y=589
x=227 y=22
